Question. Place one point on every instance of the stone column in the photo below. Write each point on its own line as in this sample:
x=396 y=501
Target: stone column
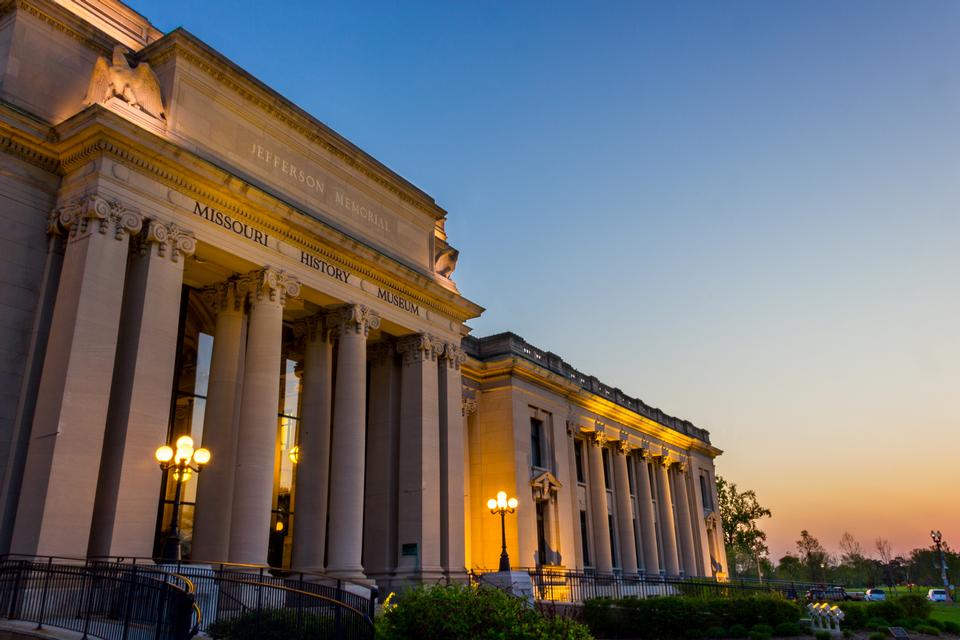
x=268 y=290
x=628 y=543
x=126 y=505
x=648 y=532
x=419 y=510
x=668 y=530
x=380 y=487
x=688 y=551
x=211 y=520
x=66 y=440
x=452 y=444
x=351 y=325
x=313 y=466
x=599 y=514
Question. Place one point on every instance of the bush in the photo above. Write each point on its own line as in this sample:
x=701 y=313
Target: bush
x=935 y=623
x=716 y=632
x=915 y=606
x=759 y=635
x=877 y=624
x=762 y=628
x=951 y=626
x=876 y=635
x=928 y=630
x=694 y=634
x=738 y=631
x=886 y=610
x=855 y=614
x=822 y=635
x=904 y=623
x=272 y=625
x=847 y=633
x=788 y=630
x=469 y=613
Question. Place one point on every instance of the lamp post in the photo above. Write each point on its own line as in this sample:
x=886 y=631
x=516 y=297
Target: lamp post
x=503 y=506
x=937 y=538
x=182 y=462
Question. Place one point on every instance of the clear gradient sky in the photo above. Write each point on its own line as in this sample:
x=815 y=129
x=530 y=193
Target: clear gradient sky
x=746 y=213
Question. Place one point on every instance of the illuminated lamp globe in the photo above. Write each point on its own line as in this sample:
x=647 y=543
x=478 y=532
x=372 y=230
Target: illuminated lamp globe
x=491 y=503
x=164 y=454
x=184 y=442
x=512 y=503
x=201 y=456
x=502 y=499
x=294 y=454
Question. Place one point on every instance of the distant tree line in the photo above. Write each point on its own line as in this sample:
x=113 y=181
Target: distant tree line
x=748 y=555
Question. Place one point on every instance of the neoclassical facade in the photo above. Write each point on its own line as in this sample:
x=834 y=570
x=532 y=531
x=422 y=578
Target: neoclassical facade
x=185 y=252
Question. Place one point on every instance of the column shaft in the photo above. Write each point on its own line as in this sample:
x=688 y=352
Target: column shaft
x=257 y=432
x=668 y=530
x=648 y=532
x=313 y=466
x=380 y=489
x=628 y=544
x=211 y=523
x=599 y=513
x=126 y=505
x=688 y=551
x=419 y=509
x=348 y=452
x=452 y=446
x=66 y=440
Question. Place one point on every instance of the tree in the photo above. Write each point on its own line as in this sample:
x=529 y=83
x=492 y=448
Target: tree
x=813 y=556
x=851 y=551
x=882 y=545
x=739 y=514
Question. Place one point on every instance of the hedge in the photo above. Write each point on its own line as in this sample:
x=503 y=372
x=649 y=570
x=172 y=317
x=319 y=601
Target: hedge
x=675 y=616
x=863 y=615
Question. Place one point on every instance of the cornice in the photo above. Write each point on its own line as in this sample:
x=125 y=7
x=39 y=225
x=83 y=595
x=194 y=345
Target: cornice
x=214 y=64
x=515 y=367
x=62 y=20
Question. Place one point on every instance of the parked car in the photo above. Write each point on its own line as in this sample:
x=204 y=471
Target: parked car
x=937 y=595
x=827 y=594
x=875 y=595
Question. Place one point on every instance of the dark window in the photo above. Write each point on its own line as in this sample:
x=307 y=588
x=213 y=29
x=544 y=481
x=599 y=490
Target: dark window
x=541 y=537
x=578 y=457
x=705 y=493
x=536 y=434
x=583 y=539
x=614 y=556
x=630 y=470
x=653 y=482
x=606 y=468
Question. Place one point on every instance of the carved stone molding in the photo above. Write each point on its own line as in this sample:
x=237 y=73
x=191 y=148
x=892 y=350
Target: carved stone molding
x=224 y=296
x=355 y=318
x=623 y=446
x=270 y=285
x=598 y=437
x=454 y=355
x=419 y=348
x=470 y=406
x=169 y=238
x=313 y=328
x=96 y=213
x=545 y=486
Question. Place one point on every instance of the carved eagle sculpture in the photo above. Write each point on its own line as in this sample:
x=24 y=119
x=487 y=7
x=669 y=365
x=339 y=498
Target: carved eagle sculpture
x=136 y=86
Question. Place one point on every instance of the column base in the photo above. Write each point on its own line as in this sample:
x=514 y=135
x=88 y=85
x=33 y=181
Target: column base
x=517 y=583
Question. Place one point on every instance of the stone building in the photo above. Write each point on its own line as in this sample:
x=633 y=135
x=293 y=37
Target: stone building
x=186 y=252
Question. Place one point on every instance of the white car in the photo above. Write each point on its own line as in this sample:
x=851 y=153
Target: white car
x=937 y=595
x=875 y=595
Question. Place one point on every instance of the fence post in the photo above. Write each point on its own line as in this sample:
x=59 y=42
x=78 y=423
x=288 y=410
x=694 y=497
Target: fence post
x=338 y=613
x=129 y=601
x=259 y=600
x=43 y=598
x=372 y=610
x=15 y=592
x=86 y=622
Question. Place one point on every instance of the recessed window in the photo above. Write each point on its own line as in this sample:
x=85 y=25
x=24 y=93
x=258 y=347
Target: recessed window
x=578 y=457
x=584 y=542
x=536 y=442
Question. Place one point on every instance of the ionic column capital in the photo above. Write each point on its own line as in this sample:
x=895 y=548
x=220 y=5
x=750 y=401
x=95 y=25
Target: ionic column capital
x=270 y=285
x=469 y=407
x=224 y=296
x=598 y=437
x=623 y=446
x=169 y=238
x=454 y=355
x=96 y=213
x=419 y=347
x=313 y=328
x=353 y=318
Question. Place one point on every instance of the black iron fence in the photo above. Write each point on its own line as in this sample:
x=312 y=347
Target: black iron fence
x=131 y=599
x=550 y=585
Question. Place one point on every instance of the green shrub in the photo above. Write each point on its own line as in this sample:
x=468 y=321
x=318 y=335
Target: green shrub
x=935 y=623
x=759 y=635
x=717 y=632
x=876 y=635
x=915 y=606
x=822 y=635
x=283 y=624
x=887 y=610
x=951 y=626
x=788 y=630
x=855 y=614
x=738 y=631
x=904 y=623
x=847 y=633
x=928 y=630
x=916 y=623
x=877 y=624
x=461 y=612
x=762 y=628
x=694 y=634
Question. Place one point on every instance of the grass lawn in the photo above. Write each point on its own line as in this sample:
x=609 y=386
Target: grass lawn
x=943 y=611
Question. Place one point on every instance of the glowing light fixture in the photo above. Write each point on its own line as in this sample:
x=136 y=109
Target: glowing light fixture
x=503 y=505
x=181 y=462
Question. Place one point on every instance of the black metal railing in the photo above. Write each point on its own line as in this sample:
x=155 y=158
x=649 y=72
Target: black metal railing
x=120 y=598
x=554 y=585
x=98 y=600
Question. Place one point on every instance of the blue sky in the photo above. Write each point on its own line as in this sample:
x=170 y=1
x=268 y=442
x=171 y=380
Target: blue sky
x=746 y=213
